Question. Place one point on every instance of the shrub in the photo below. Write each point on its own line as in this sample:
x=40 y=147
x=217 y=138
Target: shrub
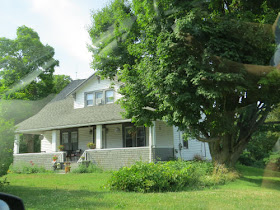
x=273 y=161
x=3 y=183
x=220 y=175
x=6 y=144
x=91 y=168
x=197 y=157
x=25 y=168
x=169 y=176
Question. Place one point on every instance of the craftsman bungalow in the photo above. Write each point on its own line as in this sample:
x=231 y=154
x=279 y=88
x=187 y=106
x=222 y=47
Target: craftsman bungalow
x=85 y=112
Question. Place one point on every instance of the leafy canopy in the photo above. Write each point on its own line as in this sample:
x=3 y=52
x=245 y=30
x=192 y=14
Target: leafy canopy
x=204 y=66
x=26 y=66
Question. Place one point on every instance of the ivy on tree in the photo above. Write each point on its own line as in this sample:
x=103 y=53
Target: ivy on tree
x=204 y=66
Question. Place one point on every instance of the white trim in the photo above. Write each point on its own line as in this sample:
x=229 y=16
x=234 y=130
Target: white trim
x=164 y=147
x=73 y=126
x=76 y=88
x=41 y=153
x=125 y=148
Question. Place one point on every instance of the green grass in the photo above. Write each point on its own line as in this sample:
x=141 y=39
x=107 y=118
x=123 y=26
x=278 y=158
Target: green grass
x=256 y=189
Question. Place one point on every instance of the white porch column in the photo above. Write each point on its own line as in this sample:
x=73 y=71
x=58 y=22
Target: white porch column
x=16 y=144
x=98 y=137
x=152 y=140
x=54 y=140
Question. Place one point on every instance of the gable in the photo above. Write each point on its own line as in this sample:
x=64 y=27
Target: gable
x=93 y=84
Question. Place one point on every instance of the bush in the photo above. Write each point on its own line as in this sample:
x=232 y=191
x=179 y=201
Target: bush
x=25 y=168
x=258 y=149
x=6 y=145
x=3 y=183
x=273 y=161
x=91 y=168
x=167 y=176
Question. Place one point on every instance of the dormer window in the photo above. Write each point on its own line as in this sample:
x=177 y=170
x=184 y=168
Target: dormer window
x=89 y=99
x=109 y=96
x=98 y=98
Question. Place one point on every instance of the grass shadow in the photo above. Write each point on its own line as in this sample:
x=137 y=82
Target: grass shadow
x=263 y=182
x=42 y=198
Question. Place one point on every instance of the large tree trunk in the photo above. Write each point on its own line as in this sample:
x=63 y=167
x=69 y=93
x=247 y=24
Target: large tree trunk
x=227 y=151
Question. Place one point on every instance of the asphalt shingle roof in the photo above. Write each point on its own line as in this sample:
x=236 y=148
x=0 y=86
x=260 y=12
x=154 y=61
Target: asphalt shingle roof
x=60 y=113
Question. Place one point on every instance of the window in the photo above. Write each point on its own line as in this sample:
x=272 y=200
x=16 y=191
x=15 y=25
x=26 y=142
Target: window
x=184 y=141
x=69 y=138
x=186 y=144
x=109 y=96
x=98 y=98
x=74 y=140
x=89 y=99
x=134 y=136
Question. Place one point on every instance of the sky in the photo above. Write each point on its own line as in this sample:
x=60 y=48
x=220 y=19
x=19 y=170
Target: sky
x=61 y=24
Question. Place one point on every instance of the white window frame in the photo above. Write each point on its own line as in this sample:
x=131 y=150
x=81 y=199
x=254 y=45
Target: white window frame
x=109 y=102
x=86 y=99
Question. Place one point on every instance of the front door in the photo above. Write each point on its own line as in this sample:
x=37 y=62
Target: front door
x=69 y=138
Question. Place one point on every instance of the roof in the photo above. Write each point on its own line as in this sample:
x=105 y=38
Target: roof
x=75 y=89
x=80 y=85
x=60 y=113
x=68 y=89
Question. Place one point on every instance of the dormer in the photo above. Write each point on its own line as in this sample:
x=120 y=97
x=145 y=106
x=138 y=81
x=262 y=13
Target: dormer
x=95 y=92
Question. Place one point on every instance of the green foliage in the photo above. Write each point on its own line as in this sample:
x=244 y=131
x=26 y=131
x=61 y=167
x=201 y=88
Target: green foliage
x=26 y=168
x=27 y=66
x=60 y=82
x=6 y=145
x=3 y=183
x=273 y=161
x=183 y=62
x=90 y=168
x=168 y=176
x=258 y=149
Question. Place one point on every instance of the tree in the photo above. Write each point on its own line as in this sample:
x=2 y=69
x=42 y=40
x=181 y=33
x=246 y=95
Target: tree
x=26 y=72
x=204 y=66
x=26 y=66
x=60 y=82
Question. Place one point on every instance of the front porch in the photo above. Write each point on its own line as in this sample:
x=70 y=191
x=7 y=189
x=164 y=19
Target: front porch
x=117 y=145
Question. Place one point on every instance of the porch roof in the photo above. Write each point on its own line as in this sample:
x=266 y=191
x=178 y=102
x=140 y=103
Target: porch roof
x=61 y=114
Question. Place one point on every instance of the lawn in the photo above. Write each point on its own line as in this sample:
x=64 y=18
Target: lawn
x=256 y=189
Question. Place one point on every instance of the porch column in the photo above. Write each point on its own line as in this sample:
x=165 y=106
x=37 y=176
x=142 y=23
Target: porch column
x=98 y=137
x=54 y=140
x=152 y=141
x=16 y=144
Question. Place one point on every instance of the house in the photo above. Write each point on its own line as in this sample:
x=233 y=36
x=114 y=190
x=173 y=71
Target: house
x=85 y=112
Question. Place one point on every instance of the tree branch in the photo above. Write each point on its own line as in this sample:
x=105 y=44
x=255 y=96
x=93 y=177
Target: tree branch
x=208 y=140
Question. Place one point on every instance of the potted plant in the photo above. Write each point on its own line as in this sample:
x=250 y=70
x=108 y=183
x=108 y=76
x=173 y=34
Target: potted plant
x=61 y=147
x=54 y=158
x=91 y=145
x=83 y=158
